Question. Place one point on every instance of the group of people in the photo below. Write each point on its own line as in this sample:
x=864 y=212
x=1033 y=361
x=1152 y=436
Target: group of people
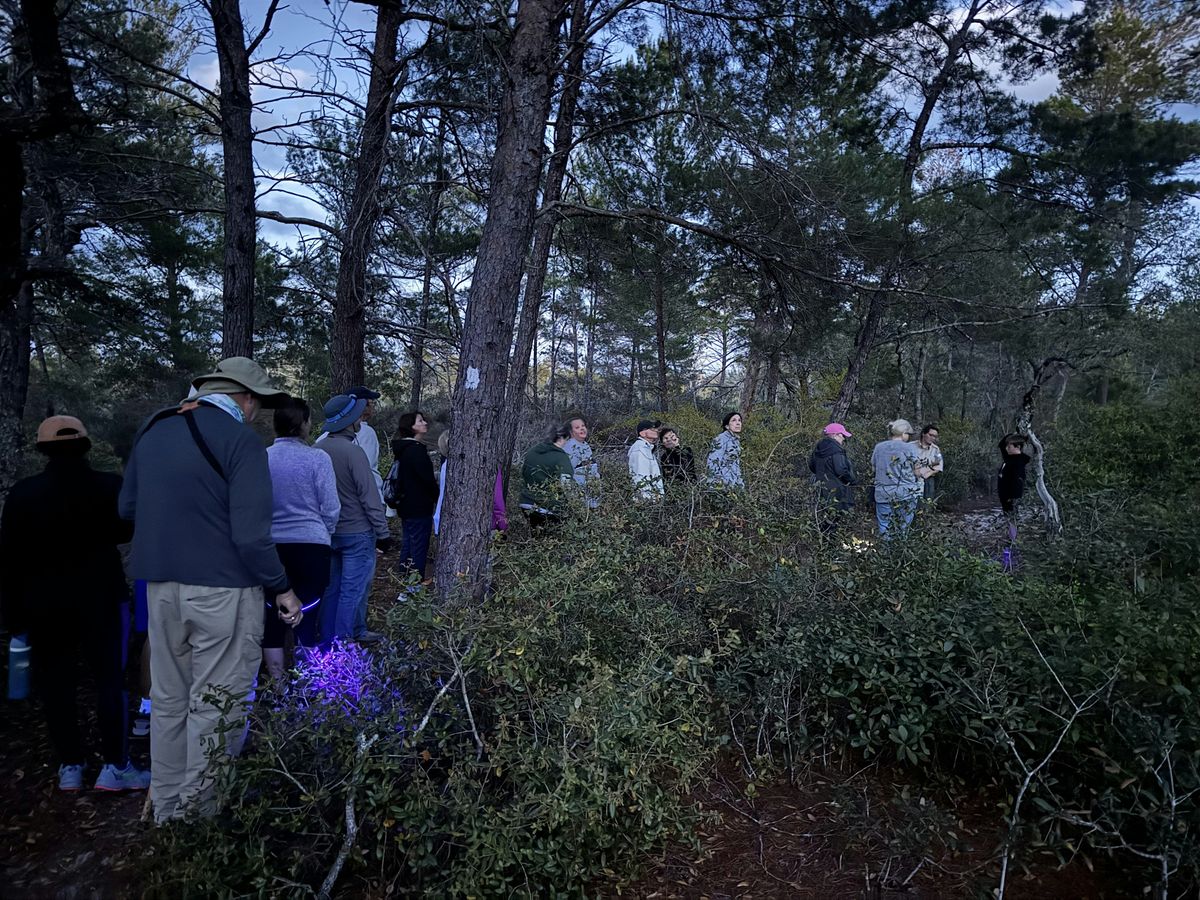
x=564 y=464
x=906 y=471
x=235 y=545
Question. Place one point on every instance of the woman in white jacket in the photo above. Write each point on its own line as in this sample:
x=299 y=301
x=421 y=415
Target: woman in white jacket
x=725 y=458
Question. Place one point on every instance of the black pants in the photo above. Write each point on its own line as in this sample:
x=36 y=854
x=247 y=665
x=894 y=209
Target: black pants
x=90 y=632
x=307 y=567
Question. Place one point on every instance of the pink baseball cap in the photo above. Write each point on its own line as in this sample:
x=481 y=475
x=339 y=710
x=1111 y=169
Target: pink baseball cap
x=837 y=428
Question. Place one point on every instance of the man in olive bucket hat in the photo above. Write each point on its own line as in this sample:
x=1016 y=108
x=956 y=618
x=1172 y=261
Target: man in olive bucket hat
x=198 y=489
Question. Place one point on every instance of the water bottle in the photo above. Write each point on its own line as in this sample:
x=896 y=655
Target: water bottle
x=18 y=667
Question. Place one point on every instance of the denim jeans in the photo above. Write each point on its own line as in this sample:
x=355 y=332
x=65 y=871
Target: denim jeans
x=895 y=516
x=351 y=568
x=414 y=546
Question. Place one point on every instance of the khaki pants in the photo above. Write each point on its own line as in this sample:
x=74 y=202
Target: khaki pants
x=201 y=638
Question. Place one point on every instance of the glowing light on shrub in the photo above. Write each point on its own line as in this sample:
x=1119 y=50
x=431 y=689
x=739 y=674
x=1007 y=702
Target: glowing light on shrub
x=345 y=679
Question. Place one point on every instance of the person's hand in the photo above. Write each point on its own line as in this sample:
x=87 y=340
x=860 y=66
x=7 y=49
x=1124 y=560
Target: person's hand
x=289 y=607
x=383 y=545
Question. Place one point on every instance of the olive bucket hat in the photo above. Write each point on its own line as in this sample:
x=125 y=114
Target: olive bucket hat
x=236 y=375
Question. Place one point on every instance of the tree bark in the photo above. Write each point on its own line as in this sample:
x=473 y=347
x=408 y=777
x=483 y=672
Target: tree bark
x=477 y=407
x=233 y=61
x=535 y=271
x=348 y=336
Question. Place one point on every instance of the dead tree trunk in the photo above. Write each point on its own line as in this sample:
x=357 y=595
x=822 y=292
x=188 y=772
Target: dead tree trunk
x=237 y=154
x=348 y=336
x=1042 y=373
x=477 y=408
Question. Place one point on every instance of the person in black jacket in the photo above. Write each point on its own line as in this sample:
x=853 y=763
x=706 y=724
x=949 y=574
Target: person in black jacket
x=413 y=492
x=677 y=462
x=1010 y=480
x=62 y=582
x=834 y=476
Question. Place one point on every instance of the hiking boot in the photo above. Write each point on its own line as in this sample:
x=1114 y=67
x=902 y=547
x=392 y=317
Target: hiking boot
x=70 y=778
x=126 y=779
x=369 y=637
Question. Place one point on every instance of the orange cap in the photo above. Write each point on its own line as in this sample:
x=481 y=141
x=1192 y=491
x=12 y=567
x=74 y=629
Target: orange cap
x=60 y=428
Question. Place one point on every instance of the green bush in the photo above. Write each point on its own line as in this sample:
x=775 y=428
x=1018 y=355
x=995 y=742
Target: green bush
x=545 y=742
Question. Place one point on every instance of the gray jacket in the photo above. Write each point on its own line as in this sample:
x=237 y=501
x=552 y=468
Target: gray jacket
x=362 y=507
x=725 y=460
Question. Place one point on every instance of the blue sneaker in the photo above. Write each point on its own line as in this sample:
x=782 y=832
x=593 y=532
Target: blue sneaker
x=126 y=779
x=70 y=778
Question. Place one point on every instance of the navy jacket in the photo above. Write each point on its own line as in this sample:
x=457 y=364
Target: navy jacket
x=192 y=525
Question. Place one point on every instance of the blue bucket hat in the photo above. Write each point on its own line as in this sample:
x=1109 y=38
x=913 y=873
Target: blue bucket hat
x=343 y=411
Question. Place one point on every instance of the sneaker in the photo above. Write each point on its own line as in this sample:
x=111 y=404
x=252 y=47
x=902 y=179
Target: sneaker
x=369 y=637
x=126 y=779
x=70 y=778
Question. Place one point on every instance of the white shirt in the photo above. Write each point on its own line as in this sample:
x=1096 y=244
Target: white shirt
x=645 y=471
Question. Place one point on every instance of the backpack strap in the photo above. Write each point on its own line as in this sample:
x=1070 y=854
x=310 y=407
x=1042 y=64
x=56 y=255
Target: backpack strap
x=197 y=437
x=202 y=445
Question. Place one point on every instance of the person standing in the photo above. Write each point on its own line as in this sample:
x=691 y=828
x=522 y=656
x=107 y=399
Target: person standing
x=306 y=512
x=361 y=527
x=548 y=476
x=931 y=459
x=587 y=471
x=725 y=457
x=677 y=462
x=898 y=474
x=414 y=491
x=198 y=491
x=62 y=583
x=366 y=436
x=644 y=469
x=1010 y=480
x=833 y=473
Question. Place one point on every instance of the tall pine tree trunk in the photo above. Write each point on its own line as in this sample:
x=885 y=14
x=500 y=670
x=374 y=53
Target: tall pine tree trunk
x=477 y=407
x=349 y=334
x=237 y=296
x=535 y=273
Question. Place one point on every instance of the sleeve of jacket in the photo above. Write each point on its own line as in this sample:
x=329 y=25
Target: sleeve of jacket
x=422 y=473
x=326 y=486
x=842 y=470
x=250 y=510
x=13 y=603
x=364 y=487
x=499 y=510
x=120 y=527
x=127 y=499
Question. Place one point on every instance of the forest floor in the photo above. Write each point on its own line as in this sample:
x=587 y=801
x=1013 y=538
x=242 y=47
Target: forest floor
x=835 y=831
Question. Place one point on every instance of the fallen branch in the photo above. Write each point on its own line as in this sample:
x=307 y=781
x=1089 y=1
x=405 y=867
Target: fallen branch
x=364 y=744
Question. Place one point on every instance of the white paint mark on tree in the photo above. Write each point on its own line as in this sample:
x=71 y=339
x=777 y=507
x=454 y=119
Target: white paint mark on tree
x=472 y=378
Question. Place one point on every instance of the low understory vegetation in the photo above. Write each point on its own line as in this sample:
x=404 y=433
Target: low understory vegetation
x=546 y=742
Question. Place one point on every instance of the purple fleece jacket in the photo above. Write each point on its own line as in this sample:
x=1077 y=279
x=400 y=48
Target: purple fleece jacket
x=304 y=488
